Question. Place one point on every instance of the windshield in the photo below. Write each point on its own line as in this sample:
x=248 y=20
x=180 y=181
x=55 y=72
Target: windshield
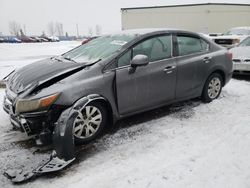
x=238 y=32
x=100 y=48
x=245 y=42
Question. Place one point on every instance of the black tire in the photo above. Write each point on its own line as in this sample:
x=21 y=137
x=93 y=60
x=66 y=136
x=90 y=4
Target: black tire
x=206 y=95
x=100 y=130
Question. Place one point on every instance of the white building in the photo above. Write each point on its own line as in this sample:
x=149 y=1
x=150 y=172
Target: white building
x=205 y=18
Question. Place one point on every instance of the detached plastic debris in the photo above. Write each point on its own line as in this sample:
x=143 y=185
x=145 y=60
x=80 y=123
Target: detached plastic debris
x=18 y=176
x=64 y=149
x=53 y=165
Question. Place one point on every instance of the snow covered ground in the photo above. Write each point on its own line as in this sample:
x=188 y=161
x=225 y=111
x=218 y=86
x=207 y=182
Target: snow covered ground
x=17 y=55
x=189 y=144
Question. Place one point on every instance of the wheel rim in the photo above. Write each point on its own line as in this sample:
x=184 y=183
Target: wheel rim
x=214 y=88
x=87 y=122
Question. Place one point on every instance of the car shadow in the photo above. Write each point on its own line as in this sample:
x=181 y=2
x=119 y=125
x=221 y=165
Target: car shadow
x=181 y=110
x=242 y=77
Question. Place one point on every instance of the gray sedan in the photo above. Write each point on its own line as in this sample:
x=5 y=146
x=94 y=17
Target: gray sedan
x=73 y=97
x=241 y=57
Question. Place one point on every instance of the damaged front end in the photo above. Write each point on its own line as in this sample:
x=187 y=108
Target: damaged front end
x=64 y=146
x=62 y=155
x=49 y=123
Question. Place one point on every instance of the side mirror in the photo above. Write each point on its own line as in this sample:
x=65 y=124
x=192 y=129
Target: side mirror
x=139 y=60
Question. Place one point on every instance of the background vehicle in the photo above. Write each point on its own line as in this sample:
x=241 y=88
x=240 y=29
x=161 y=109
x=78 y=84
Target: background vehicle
x=54 y=39
x=112 y=77
x=86 y=40
x=232 y=37
x=9 y=40
x=241 y=57
x=14 y=40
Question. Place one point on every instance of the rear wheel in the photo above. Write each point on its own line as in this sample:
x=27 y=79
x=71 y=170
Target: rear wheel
x=89 y=123
x=212 y=88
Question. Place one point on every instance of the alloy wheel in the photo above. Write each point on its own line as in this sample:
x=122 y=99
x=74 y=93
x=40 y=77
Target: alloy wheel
x=214 y=88
x=87 y=122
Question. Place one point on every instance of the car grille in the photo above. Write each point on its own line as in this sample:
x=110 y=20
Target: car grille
x=224 y=41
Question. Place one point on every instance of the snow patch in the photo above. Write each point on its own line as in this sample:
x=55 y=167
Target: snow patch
x=188 y=144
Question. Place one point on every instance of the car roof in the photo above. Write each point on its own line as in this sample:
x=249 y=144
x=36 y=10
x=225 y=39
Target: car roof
x=146 y=31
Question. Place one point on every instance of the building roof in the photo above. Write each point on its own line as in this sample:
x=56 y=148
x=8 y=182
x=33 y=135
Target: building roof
x=186 y=5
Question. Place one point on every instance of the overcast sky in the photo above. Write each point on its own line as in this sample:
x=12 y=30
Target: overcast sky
x=35 y=14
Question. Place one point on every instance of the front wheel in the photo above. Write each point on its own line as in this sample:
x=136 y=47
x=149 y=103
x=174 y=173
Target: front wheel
x=212 y=88
x=89 y=123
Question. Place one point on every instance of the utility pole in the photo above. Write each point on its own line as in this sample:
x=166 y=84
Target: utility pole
x=24 y=29
x=77 y=31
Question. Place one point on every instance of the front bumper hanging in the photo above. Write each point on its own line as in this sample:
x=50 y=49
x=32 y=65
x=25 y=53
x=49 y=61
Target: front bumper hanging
x=64 y=147
x=61 y=157
x=53 y=165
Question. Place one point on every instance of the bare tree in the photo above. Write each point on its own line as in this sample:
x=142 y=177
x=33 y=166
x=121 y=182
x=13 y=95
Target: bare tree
x=14 y=28
x=98 y=30
x=24 y=29
x=51 y=28
x=59 y=28
x=90 y=31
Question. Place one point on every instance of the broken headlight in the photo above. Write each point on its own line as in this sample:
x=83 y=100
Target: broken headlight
x=24 y=105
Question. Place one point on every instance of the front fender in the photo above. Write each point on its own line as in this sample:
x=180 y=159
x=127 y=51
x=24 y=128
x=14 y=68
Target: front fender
x=63 y=138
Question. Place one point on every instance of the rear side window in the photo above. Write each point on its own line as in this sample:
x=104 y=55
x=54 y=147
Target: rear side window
x=204 y=45
x=190 y=45
x=155 y=48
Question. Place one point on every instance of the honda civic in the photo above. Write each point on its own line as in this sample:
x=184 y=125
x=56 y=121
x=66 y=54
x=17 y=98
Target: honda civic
x=73 y=97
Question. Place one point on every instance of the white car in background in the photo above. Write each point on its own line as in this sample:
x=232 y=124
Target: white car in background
x=54 y=39
x=232 y=37
x=241 y=57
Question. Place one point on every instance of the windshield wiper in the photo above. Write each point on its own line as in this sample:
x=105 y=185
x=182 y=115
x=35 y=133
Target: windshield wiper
x=92 y=63
x=55 y=58
x=69 y=59
x=97 y=61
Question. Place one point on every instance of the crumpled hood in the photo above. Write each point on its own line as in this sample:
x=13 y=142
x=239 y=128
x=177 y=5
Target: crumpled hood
x=39 y=72
x=241 y=52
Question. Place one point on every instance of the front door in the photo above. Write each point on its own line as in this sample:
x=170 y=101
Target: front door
x=151 y=85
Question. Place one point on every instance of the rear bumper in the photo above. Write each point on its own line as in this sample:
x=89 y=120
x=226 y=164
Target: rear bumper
x=241 y=66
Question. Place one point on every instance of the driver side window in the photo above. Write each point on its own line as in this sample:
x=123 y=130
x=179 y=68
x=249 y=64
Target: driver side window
x=156 y=48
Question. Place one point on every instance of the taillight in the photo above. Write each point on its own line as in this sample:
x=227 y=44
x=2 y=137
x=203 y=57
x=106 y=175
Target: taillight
x=230 y=55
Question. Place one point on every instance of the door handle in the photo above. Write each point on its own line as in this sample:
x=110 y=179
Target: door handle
x=207 y=59
x=169 y=69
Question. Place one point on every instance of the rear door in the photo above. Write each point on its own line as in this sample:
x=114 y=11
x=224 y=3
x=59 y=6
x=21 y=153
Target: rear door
x=191 y=58
x=150 y=85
